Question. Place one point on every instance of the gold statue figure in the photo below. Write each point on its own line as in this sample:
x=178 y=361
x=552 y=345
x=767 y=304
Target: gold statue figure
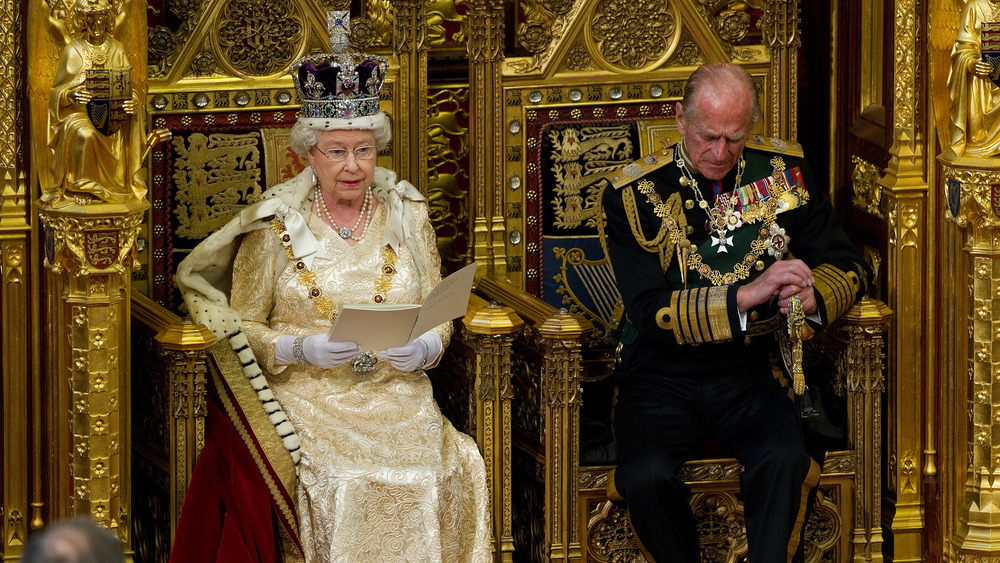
x=974 y=125
x=94 y=132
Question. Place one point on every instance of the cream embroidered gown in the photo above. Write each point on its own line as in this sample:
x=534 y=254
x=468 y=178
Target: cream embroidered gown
x=383 y=476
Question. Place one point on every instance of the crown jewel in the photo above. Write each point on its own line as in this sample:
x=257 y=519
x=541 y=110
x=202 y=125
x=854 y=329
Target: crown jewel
x=339 y=84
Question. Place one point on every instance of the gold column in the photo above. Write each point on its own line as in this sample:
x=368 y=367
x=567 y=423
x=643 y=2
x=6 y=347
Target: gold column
x=975 y=185
x=907 y=218
x=780 y=27
x=493 y=328
x=184 y=345
x=864 y=323
x=486 y=29
x=89 y=175
x=910 y=238
x=90 y=257
x=562 y=334
x=16 y=310
x=409 y=44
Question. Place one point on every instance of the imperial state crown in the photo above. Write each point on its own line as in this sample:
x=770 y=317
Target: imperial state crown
x=339 y=84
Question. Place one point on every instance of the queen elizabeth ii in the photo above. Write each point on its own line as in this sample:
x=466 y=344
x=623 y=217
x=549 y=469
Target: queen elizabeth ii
x=381 y=474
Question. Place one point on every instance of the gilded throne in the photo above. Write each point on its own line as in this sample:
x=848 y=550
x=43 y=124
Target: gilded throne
x=568 y=103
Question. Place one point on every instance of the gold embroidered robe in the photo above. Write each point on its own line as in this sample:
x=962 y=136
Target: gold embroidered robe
x=383 y=475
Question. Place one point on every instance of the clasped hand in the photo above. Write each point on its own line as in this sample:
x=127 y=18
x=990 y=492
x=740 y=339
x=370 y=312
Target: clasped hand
x=418 y=354
x=781 y=280
x=317 y=350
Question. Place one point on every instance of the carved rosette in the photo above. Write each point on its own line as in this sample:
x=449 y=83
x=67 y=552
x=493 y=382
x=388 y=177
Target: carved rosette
x=83 y=243
x=610 y=536
x=634 y=36
x=259 y=37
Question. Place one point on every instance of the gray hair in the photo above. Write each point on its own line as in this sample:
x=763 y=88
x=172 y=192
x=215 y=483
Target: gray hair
x=305 y=132
x=78 y=540
x=719 y=77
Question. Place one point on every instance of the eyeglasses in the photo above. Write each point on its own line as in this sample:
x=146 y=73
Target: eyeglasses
x=340 y=155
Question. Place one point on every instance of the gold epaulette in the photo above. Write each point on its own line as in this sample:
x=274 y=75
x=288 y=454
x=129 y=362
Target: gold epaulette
x=628 y=173
x=772 y=144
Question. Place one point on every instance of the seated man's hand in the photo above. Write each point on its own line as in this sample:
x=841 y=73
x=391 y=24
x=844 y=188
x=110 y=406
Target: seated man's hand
x=805 y=294
x=771 y=283
x=420 y=353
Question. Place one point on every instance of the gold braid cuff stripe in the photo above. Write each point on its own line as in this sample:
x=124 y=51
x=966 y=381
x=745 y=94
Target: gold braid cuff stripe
x=697 y=315
x=837 y=289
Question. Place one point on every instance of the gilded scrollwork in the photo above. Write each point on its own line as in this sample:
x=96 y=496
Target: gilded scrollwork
x=712 y=471
x=610 y=536
x=448 y=178
x=634 y=35
x=867 y=191
x=441 y=14
x=722 y=528
x=84 y=245
x=973 y=195
x=904 y=72
x=260 y=37
x=823 y=529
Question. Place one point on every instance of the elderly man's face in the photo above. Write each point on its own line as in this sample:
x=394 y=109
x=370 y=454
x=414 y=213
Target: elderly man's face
x=715 y=135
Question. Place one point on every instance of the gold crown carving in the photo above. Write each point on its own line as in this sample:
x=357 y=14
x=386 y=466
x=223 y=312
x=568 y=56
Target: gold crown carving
x=339 y=84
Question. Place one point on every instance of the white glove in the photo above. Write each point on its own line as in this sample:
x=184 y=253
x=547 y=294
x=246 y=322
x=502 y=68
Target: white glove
x=420 y=353
x=314 y=350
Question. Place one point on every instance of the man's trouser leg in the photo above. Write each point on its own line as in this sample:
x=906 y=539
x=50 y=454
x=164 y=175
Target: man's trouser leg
x=763 y=430
x=657 y=430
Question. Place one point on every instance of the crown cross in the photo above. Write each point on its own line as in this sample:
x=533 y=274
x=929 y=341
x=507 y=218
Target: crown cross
x=338 y=25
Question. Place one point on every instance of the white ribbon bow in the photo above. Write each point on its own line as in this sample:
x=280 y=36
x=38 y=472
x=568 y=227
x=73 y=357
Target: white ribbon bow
x=305 y=247
x=397 y=228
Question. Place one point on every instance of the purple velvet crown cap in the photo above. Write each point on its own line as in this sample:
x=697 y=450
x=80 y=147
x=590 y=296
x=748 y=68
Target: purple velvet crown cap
x=339 y=84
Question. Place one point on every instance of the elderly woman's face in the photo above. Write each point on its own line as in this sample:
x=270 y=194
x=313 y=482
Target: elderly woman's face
x=344 y=162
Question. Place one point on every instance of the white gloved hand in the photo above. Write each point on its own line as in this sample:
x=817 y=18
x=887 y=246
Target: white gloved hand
x=419 y=354
x=316 y=350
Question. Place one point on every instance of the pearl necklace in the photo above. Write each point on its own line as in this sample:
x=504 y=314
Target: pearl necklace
x=718 y=221
x=362 y=221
